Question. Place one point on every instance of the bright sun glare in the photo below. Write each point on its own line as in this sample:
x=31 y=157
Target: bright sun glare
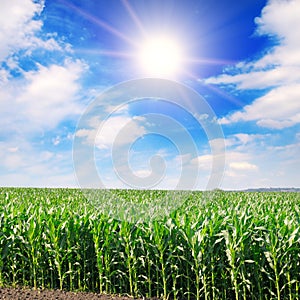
x=160 y=57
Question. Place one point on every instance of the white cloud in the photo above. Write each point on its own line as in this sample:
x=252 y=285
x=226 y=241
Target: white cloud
x=117 y=130
x=51 y=93
x=34 y=103
x=217 y=145
x=182 y=159
x=242 y=166
x=281 y=19
x=142 y=172
x=238 y=163
x=24 y=165
x=13 y=149
x=204 y=162
x=241 y=139
x=278 y=70
x=250 y=162
x=255 y=164
x=260 y=79
x=278 y=109
x=42 y=99
x=19 y=28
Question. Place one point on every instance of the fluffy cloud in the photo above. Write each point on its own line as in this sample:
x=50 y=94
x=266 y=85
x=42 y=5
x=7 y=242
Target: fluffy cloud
x=117 y=130
x=280 y=108
x=42 y=99
x=23 y=165
x=35 y=98
x=41 y=96
x=242 y=166
x=51 y=93
x=252 y=162
x=239 y=166
x=278 y=70
x=19 y=28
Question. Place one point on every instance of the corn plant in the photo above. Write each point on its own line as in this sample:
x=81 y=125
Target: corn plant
x=234 y=245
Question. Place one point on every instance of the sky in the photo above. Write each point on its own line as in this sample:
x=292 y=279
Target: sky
x=77 y=104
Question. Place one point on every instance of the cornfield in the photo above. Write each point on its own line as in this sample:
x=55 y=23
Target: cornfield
x=237 y=245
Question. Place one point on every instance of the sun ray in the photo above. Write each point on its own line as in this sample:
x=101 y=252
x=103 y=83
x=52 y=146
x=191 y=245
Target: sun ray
x=134 y=17
x=215 y=89
x=110 y=53
x=223 y=94
x=99 y=22
x=157 y=55
x=208 y=61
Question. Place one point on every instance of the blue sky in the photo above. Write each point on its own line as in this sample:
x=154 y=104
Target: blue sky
x=58 y=56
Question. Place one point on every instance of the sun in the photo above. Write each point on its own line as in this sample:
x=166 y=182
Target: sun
x=160 y=56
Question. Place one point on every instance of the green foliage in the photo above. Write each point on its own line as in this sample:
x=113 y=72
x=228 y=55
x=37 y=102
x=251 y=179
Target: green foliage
x=234 y=245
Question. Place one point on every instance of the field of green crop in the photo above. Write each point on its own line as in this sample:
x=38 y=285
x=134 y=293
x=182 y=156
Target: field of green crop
x=237 y=245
